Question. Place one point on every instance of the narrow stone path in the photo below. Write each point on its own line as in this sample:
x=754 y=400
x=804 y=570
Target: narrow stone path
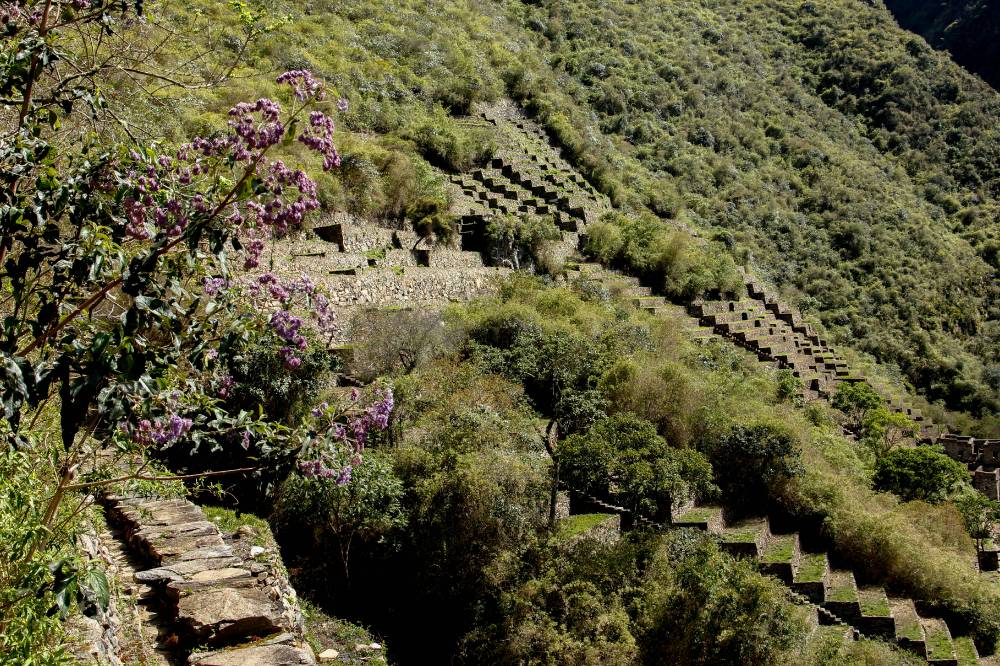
x=197 y=601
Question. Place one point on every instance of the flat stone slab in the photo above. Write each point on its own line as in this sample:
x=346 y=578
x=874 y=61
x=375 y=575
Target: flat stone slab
x=163 y=516
x=190 y=529
x=206 y=553
x=233 y=578
x=218 y=615
x=185 y=569
x=168 y=549
x=263 y=655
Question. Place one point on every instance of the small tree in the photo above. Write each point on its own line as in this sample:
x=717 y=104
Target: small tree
x=979 y=514
x=919 y=473
x=882 y=430
x=365 y=509
x=856 y=400
x=623 y=459
x=750 y=459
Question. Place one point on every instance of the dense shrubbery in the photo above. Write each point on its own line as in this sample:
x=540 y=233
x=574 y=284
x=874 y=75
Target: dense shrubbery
x=669 y=259
x=824 y=163
x=920 y=473
x=861 y=179
x=623 y=459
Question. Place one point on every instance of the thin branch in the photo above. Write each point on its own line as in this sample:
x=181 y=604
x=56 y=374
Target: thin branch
x=177 y=477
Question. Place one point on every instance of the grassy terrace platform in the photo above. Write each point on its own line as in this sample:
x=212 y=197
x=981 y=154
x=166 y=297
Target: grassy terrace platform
x=907 y=622
x=939 y=645
x=812 y=568
x=781 y=550
x=874 y=603
x=702 y=517
x=576 y=525
x=748 y=531
x=842 y=587
x=966 y=652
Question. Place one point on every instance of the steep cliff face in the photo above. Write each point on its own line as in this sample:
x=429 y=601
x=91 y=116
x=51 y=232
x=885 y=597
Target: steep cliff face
x=969 y=29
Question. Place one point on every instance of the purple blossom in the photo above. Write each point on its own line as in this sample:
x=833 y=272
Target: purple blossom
x=342 y=105
x=162 y=431
x=319 y=138
x=213 y=286
x=305 y=85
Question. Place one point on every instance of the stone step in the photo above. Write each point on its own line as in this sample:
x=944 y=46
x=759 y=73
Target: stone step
x=876 y=613
x=747 y=538
x=211 y=596
x=909 y=630
x=842 y=596
x=965 y=651
x=708 y=518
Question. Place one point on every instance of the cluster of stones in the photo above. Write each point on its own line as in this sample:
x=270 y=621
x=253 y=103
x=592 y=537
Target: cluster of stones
x=215 y=608
x=367 y=265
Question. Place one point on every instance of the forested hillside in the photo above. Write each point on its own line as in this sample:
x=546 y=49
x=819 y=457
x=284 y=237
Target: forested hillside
x=857 y=167
x=968 y=29
x=843 y=158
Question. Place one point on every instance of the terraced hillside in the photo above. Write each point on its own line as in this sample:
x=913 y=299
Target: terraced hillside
x=835 y=593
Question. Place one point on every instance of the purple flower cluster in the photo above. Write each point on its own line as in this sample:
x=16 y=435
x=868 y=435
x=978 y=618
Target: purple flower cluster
x=319 y=137
x=345 y=440
x=375 y=416
x=318 y=470
x=305 y=85
x=214 y=285
x=161 y=431
x=167 y=193
x=277 y=214
x=257 y=127
x=226 y=384
x=286 y=325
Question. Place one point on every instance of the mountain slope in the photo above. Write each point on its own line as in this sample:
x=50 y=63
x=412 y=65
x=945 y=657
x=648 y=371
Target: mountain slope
x=857 y=167
x=842 y=158
x=969 y=29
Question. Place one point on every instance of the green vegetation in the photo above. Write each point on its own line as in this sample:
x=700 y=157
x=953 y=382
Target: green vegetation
x=623 y=459
x=968 y=29
x=861 y=182
x=842 y=588
x=908 y=628
x=860 y=178
x=939 y=645
x=781 y=549
x=874 y=603
x=965 y=650
x=919 y=474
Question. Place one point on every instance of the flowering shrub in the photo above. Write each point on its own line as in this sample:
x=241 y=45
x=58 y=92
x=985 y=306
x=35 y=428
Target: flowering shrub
x=121 y=314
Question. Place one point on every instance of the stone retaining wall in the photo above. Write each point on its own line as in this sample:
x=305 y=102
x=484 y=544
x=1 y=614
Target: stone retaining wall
x=442 y=258
x=413 y=285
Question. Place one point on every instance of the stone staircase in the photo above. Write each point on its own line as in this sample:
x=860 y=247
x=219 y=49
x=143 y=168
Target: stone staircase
x=527 y=176
x=839 y=600
x=207 y=604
